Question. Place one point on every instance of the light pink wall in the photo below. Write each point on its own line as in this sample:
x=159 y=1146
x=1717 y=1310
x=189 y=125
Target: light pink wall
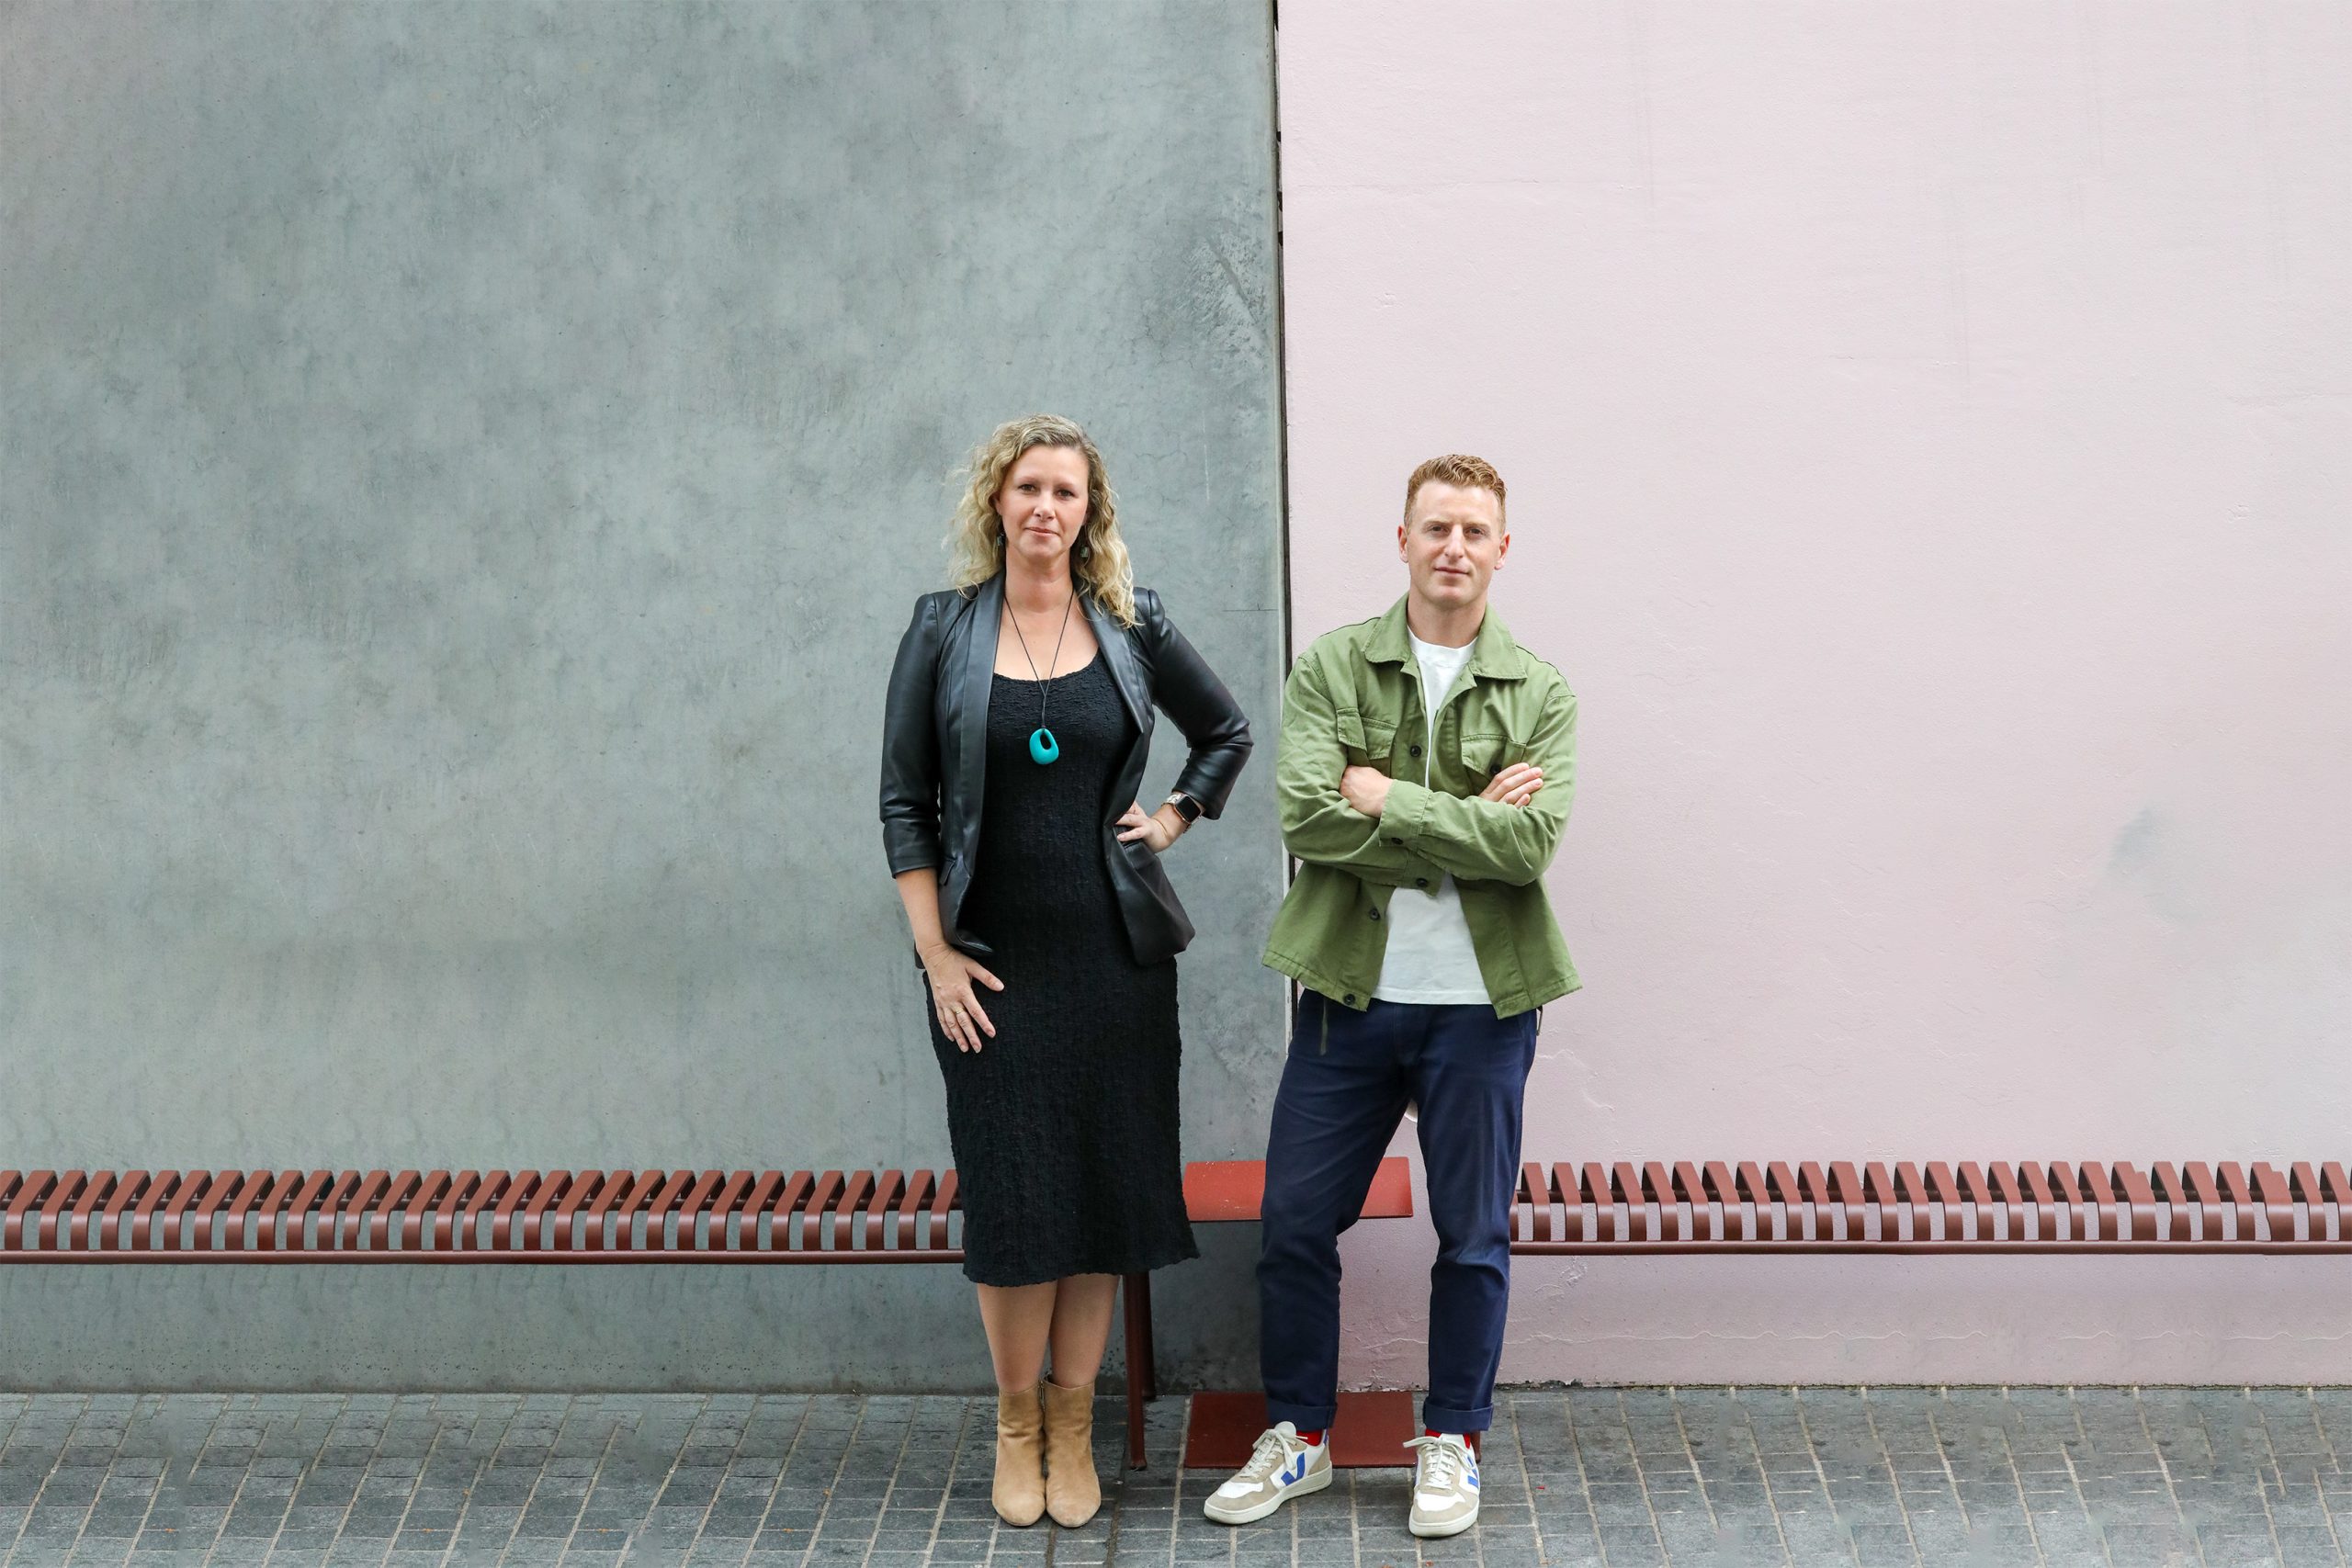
x=1927 y=433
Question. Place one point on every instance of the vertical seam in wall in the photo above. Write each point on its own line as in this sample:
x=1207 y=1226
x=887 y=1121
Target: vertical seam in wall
x=1282 y=403
x=1282 y=366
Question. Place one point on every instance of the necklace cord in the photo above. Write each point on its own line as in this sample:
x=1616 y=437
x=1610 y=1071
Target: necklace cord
x=1044 y=682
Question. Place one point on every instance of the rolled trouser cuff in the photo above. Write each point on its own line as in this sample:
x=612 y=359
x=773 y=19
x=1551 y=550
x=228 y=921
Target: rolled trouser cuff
x=1441 y=1419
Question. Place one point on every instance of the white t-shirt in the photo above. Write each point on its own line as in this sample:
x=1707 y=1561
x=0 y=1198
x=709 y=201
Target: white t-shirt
x=1429 y=957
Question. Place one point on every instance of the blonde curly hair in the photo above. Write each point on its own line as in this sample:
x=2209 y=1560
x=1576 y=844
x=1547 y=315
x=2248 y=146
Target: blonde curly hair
x=976 y=540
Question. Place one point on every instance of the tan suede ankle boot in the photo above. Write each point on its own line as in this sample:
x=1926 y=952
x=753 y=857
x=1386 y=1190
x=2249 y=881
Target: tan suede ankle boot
x=1019 y=1493
x=1073 y=1492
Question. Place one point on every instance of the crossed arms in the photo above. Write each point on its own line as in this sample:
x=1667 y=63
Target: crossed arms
x=1419 y=832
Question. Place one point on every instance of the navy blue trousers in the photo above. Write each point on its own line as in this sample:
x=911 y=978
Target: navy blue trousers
x=1344 y=1088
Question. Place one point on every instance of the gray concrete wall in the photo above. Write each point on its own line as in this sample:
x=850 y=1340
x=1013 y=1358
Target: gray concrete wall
x=463 y=471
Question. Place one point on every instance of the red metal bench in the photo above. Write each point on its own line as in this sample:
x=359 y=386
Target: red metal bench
x=2091 y=1207
x=861 y=1217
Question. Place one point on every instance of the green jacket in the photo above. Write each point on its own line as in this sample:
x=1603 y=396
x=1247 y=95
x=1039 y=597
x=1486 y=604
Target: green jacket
x=1355 y=696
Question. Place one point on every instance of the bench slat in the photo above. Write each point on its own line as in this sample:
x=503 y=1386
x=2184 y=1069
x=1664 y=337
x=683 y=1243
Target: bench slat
x=62 y=1194
x=78 y=1220
x=112 y=1219
x=2139 y=1198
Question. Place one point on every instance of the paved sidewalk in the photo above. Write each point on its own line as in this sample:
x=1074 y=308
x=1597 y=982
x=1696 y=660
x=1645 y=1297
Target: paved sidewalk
x=1728 y=1478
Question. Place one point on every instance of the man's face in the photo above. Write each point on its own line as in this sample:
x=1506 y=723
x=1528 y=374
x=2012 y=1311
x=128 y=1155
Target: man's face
x=1451 y=540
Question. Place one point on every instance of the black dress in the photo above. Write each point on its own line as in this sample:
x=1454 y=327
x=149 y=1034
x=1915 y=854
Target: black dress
x=1065 y=1124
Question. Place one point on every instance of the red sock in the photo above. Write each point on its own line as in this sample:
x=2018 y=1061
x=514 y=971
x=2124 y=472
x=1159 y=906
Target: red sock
x=1315 y=1436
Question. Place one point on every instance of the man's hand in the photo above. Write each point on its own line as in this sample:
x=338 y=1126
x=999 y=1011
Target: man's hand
x=1364 y=788
x=1515 y=785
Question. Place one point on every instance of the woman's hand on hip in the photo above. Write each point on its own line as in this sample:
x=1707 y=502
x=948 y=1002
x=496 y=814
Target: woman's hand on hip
x=950 y=971
x=1157 y=830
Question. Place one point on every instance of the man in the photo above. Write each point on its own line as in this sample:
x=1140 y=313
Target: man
x=1423 y=776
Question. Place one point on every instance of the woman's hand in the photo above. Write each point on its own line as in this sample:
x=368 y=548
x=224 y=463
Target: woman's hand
x=1515 y=785
x=1158 y=829
x=951 y=973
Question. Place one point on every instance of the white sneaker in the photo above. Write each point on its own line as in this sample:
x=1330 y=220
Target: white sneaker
x=1280 y=1467
x=1445 y=1486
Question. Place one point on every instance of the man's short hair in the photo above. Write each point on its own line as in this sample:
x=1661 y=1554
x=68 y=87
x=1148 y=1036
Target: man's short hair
x=1460 y=470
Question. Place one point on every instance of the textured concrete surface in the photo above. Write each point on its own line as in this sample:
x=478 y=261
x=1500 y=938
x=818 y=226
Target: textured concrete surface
x=1928 y=448
x=1638 y=1478
x=464 y=469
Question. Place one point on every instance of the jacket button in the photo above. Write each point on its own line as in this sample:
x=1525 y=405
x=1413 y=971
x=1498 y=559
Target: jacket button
x=1412 y=750
x=1397 y=842
x=1421 y=882
x=1374 y=913
x=1350 y=999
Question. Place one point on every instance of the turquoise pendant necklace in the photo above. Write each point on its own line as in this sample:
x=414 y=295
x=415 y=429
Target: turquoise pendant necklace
x=1042 y=746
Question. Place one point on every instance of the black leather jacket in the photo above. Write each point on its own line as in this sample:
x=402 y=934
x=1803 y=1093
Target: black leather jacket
x=934 y=751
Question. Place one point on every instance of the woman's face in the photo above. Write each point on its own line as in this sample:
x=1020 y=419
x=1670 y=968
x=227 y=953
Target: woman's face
x=1042 y=504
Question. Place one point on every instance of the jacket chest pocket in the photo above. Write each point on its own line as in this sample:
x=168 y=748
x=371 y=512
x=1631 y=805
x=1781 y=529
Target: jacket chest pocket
x=1364 y=743
x=1484 y=753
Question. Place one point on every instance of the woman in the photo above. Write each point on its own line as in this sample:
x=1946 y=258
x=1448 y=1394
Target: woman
x=1020 y=711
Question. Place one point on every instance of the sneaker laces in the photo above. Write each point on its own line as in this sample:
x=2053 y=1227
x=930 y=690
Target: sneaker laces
x=1440 y=1465
x=1274 y=1451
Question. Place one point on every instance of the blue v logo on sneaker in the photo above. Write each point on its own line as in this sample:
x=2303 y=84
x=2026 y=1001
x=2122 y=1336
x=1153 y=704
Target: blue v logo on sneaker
x=1295 y=1470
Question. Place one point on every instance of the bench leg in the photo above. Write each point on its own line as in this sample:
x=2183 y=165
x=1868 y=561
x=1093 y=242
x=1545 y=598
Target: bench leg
x=1143 y=1379
x=1151 y=1350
